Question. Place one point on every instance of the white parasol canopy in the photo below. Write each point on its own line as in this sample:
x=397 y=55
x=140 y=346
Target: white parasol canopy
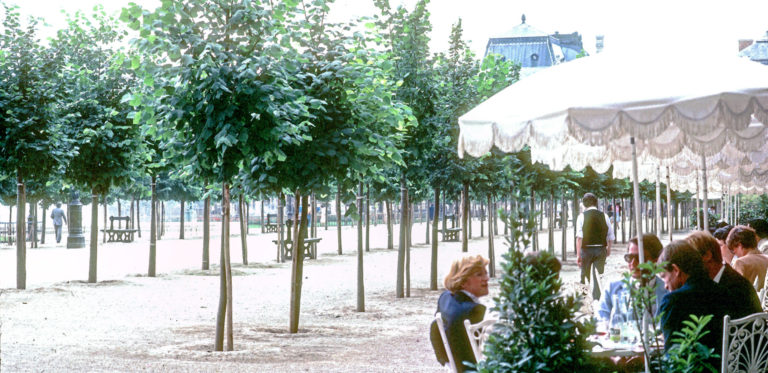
x=689 y=105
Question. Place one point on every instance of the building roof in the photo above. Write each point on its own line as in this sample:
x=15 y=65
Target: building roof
x=532 y=48
x=758 y=51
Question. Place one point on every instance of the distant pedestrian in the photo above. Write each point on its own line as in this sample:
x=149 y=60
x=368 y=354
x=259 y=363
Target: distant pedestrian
x=58 y=217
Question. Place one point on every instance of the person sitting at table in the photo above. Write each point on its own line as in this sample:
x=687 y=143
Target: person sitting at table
x=751 y=264
x=761 y=229
x=743 y=299
x=466 y=282
x=721 y=234
x=692 y=292
x=616 y=290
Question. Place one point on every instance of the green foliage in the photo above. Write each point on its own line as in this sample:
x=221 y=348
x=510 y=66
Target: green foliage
x=537 y=329
x=96 y=77
x=687 y=354
x=753 y=207
x=357 y=124
x=221 y=74
x=31 y=139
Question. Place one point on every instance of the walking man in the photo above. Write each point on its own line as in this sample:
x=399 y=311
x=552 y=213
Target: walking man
x=594 y=235
x=58 y=216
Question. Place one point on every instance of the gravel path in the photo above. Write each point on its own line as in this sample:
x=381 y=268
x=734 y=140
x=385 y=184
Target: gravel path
x=129 y=322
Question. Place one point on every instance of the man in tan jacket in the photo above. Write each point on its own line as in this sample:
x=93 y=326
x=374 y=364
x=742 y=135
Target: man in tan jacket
x=750 y=263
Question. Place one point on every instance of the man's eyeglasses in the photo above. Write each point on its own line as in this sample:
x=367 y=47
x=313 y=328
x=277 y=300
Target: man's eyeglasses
x=629 y=258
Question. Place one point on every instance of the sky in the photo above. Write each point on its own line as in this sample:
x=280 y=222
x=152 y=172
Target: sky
x=643 y=26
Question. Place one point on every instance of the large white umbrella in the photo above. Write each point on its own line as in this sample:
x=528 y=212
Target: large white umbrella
x=662 y=105
x=613 y=99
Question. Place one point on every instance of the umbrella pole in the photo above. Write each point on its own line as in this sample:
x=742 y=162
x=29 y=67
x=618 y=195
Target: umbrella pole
x=704 y=192
x=669 y=206
x=640 y=250
x=658 y=203
x=698 y=207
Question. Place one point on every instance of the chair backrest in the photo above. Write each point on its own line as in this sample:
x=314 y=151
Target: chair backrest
x=745 y=344
x=441 y=327
x=477 y=334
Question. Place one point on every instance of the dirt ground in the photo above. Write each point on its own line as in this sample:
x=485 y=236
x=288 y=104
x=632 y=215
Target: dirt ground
x=132 y=323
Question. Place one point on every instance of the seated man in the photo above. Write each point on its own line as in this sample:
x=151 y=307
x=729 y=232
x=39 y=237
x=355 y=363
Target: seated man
x=751 y=264
x=743 y=297
x=651 y=249
x=692 y=292
x=761 y=229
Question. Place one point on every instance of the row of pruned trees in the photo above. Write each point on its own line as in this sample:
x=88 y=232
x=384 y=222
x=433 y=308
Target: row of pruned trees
x=220 y=99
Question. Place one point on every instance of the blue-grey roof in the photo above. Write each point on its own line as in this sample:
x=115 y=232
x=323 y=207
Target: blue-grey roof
x=532 y=51
x=757 y=52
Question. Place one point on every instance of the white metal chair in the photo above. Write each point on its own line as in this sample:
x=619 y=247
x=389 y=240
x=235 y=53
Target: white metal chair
x=745 y=344
x=441 y=327
x=478 y=333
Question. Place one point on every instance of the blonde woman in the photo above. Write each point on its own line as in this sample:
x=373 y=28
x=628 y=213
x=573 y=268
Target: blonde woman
x=465 y=283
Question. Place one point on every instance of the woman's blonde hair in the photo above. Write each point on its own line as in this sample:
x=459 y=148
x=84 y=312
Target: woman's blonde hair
x=461 y=270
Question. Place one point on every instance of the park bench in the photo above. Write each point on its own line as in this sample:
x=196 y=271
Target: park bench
x=7 y=232
x=119 y=234
x=451 y=234
x=310 y=248
x=269 y=226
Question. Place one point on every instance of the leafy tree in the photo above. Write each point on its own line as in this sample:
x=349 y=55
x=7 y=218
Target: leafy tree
x=222 y=73
x=408 y=45
x=32 y=145
x=97 y=76
x=356 y=123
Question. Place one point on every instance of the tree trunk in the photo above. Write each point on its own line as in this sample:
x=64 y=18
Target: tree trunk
x=104 y=233
x=92 y=262
x=280 y=208
x=576 y=214
x=21 y=234
x=491 y=253
x=623 y=219
x=533 y=222
x=181 y=219
x=224 y=314
x=138 y=217
x=297 y=265
x=338 y=216
x=399 y=290
x=464 y=217
x=247 y=216
x=483 y=218
x=551 y=224
x=390 y=234
x=326 y=214
x=133 y=215
x=367 y=232
x=426 y=223
x=445 y=210
x=206 y=232
x=360 y=278
x=433 y=268
x=42 y=230
x=162 y=218
x=564 y=227
x=261 y=216
x=408 y=219
x=153 y=230
x=243 y=228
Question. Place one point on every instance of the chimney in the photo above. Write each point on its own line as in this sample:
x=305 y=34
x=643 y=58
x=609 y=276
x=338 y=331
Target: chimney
x=743 y=43
x=599 y=43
